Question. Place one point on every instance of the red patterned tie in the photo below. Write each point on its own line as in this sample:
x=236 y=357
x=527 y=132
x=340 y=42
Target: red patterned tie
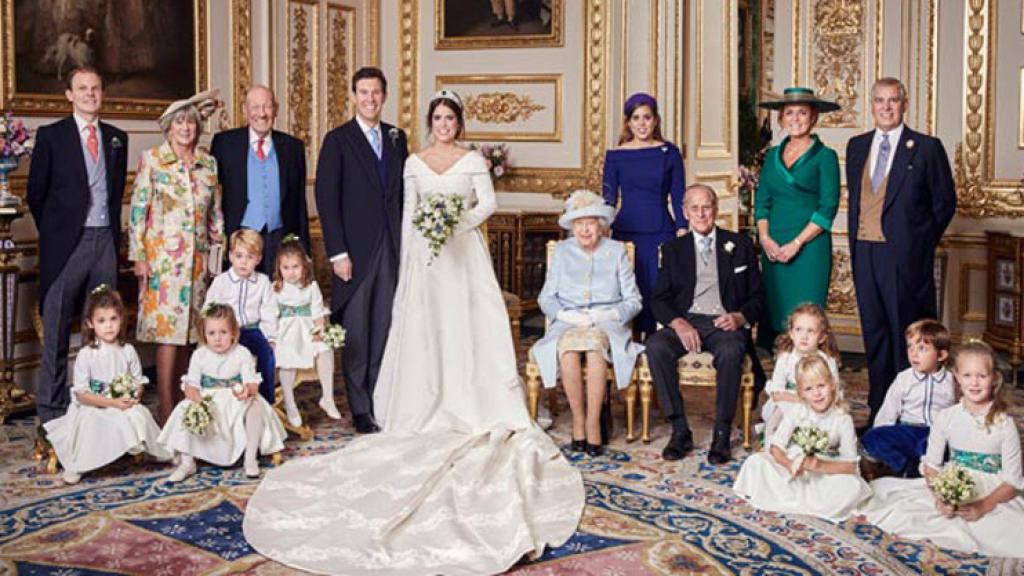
x=93 y=143
x=259 y=150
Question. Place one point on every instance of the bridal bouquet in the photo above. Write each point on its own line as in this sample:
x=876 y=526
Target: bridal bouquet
x=199 y=416
x=333 y=336
x=953 y=485
x=124 y=386
x=810 y=440
x=436 y=217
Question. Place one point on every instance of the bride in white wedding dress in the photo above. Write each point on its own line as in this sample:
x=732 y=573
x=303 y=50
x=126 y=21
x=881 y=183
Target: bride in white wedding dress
x=460 y=481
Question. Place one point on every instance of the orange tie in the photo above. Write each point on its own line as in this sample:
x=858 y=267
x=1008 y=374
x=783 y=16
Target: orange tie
x=259 y=150
x=93 y=143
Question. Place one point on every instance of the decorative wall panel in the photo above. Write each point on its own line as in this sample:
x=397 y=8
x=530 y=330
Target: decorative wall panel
x=341 y=58
x=524 y=108
x=838 y=59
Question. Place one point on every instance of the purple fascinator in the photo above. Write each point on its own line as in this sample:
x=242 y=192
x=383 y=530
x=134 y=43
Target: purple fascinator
x=640 y=99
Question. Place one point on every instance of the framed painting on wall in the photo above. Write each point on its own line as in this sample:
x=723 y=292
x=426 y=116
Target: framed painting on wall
x=150 y=52
x=471 y=24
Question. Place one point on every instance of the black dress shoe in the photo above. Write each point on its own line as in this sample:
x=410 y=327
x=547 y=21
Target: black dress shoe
x=678 y=447
x=720 y=452
x=365 y=424
x=594 y=450
x=578 y=445
x=513 y=25
x=495 y=22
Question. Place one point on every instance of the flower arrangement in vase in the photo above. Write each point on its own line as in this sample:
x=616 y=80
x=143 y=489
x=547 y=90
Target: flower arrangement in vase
x=15 y=143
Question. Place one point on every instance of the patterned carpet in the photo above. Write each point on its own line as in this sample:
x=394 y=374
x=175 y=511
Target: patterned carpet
x=643 y=516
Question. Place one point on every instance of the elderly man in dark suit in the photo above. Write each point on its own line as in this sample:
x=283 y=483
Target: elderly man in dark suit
x=75 y=184
x=263 y=175
x=901 y=198
x=359 y=199
x=708 y=295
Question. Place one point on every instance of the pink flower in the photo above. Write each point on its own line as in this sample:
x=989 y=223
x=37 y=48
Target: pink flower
x=499 y=171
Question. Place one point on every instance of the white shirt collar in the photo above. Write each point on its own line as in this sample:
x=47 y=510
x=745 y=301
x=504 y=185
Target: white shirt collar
x=937 y=376
x=697 y=236
x=268 y=140
x=82 y=123
x=234 y=277
x=894 y=135
x=366 y=127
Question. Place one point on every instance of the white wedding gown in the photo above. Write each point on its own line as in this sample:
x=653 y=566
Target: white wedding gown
x=460 y=481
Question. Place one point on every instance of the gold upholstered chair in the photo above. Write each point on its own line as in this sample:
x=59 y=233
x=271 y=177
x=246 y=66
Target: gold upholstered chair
x=534 y=385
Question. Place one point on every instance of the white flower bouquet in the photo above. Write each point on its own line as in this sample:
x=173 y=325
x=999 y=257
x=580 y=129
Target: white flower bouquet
x=810 y=440
x=436 y=217
x=124 y=386
x=333 y=336
x=199 y=416
x=954 y=485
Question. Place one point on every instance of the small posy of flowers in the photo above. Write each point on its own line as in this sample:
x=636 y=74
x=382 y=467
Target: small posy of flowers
x=496 y=157
x=435 y=219
x=124 y=385
x=810 y=440
x=15 y=138
x=954 y=485
x=333 y=335
x=199 y=416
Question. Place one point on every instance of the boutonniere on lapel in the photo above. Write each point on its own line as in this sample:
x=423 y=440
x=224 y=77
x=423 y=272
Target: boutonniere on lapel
x=115 y=143
x=729 y=247
x=910 y=144
x=393 y=135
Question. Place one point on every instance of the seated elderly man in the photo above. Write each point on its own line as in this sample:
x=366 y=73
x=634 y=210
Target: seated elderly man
x=708 y=295
x=589 y=296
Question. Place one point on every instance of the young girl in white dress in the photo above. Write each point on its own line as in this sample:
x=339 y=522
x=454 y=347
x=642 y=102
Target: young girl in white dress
x=982 y=438
x=97 y=428
x=300 y=325
x=808 y=333
x=826 y=484
x=242 y=420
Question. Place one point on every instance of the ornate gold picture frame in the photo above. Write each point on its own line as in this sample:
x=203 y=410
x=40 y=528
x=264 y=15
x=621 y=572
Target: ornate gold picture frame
x=479 y=24
x=153 y=54
x=509 y=108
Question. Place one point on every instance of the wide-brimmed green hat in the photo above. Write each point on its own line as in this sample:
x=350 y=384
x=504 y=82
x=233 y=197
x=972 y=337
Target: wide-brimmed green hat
x=799 y=95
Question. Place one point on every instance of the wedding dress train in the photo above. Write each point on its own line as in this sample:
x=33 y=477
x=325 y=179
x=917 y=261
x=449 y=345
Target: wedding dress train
x=460 y=481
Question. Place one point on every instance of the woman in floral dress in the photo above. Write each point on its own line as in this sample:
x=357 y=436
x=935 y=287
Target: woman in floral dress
x=175 y=216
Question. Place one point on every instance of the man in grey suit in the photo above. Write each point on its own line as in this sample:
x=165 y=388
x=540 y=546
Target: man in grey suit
x=75 y=184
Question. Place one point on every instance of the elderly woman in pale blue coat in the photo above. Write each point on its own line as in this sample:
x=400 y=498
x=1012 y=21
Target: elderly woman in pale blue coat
x=589 y=297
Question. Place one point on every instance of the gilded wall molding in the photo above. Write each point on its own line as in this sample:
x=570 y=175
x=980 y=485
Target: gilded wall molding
x=838 y=48
x=501 y=107
x=716 y=150
x=931 y=112
x=241 y=57
x=796 y=43
x=409 y=69
x=341 y=46
x=303 y=25
x=978 y=194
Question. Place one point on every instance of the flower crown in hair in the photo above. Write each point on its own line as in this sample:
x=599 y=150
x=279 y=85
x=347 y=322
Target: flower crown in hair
x=101 y=289
x=208 y=309
x=446 y=93
x=290 y=237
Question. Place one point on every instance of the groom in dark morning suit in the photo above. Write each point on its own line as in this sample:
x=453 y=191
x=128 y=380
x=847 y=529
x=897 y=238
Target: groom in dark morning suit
x=901 y=198
x=359 y=200
x=263 y=175
x=75 y=185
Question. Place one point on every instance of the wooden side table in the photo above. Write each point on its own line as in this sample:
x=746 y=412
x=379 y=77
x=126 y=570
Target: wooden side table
x=1004 y=323
x=11 y=398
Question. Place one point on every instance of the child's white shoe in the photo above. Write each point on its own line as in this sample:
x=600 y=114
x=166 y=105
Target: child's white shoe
x=70 y=477
x=327 y=405
x=292 y=413
x=186 y=468
x=252 y=469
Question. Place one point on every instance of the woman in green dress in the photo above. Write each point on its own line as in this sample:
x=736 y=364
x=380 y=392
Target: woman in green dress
x=797 y=198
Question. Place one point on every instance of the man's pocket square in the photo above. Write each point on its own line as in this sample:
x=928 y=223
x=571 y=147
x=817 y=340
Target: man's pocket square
x=740 y=269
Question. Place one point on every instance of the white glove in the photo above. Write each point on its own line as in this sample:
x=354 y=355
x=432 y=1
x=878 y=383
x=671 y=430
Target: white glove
x=605 y=315
x=574 y=317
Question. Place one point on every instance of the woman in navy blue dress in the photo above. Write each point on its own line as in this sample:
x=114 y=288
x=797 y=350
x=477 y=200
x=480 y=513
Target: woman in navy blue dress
x=643 y=173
